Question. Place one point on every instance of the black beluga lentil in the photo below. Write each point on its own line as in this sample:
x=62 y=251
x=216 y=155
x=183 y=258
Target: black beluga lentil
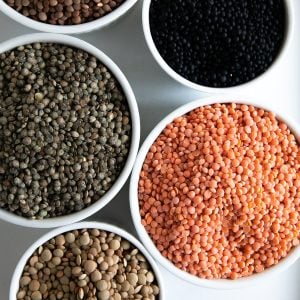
x=218 y=43
x=65 y=130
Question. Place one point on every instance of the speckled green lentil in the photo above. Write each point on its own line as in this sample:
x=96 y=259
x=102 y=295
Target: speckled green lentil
x=64 y=130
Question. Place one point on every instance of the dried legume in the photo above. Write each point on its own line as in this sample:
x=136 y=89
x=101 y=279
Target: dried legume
x=65 y=130
x=218 y=43
x=64 y=12
x=75 y=279
x=219 y=191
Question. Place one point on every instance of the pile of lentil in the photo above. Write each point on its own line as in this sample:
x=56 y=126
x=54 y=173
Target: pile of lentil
x=87 y=264
x=65 y=130
x=64 y=12
x=219 y=191
x=218 y=43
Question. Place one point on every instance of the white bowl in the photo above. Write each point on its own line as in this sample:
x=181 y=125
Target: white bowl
x=208 y=89
x=135 y=135
x=146 y=239
x=68 y=29
x=14 y=286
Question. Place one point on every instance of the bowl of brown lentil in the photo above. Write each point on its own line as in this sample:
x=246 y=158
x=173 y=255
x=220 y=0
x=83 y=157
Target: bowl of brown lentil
x=214 y=192
x=88 y=260
x=66 y=16
x=69 y=130
x=214 y=47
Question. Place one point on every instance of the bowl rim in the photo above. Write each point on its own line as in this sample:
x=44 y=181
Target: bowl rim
x=135 y=134
x=289 y=33
x=224 y=284
x=67 y=29
x=14 y=284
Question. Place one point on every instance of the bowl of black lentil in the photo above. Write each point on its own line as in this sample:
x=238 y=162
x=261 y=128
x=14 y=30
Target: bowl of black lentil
x=218 y=46
x=69 y=130
x=66 y=16
x=88 y=260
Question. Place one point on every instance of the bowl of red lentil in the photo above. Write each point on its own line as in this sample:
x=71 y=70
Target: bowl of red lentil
x=87 y=260
x=66 y=16
x=215 y=189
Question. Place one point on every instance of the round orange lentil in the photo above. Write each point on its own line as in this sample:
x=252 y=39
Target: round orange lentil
x=219 y=191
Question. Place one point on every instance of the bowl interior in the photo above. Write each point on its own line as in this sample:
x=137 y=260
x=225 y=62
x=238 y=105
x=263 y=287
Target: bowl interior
x=134 y=202
x=135 y=134
x=14 y=286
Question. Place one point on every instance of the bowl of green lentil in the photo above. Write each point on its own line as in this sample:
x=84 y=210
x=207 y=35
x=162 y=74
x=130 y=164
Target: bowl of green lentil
x=69 y=130
x=214 y=192
x=87 y=260
x=66 y=16
x=218 y=46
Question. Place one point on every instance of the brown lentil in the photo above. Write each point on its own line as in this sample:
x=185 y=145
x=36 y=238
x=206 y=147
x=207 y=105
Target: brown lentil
x=68 y=280
x=219 y=191
x=65 y=12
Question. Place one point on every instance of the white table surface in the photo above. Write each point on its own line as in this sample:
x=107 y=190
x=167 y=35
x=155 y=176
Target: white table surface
x=157 y=95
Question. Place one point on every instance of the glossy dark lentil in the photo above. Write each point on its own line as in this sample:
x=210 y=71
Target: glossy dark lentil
x=218 y=43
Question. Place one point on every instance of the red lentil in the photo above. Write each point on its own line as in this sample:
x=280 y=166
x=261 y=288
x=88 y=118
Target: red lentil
x=219 y=191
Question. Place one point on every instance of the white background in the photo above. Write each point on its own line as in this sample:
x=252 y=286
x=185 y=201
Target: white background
x=157 y=95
